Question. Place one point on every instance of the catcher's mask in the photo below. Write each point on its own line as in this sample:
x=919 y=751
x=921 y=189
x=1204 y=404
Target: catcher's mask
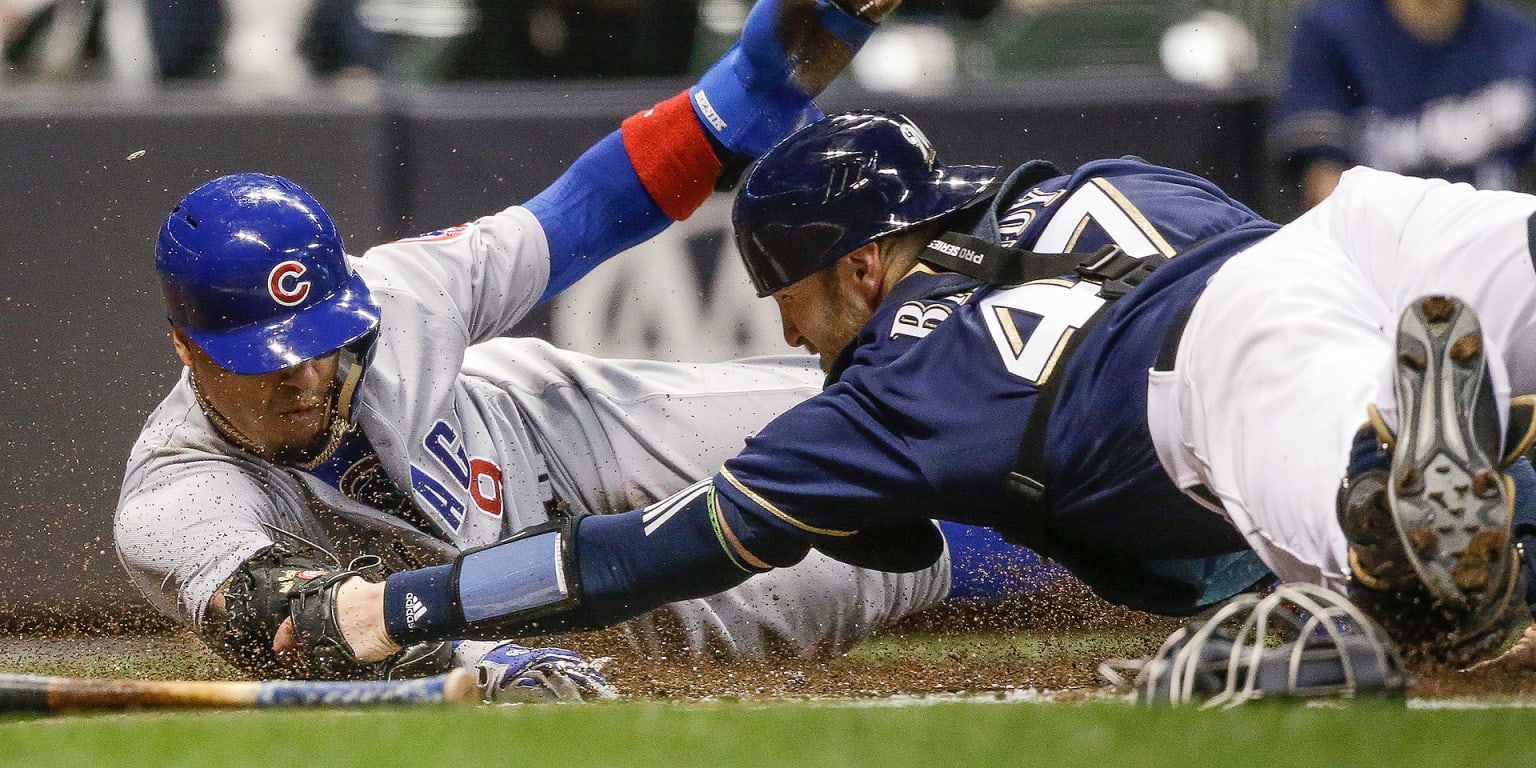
x=1299 y=641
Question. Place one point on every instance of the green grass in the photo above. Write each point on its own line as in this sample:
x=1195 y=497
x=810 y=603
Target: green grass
x=787 y=734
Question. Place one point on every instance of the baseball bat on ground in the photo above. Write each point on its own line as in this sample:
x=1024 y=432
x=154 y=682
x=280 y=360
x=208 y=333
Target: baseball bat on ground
x=38 y=693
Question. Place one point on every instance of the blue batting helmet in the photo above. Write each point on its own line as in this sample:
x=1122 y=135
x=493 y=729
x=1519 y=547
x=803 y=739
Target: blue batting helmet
x=254 y=272
x=839 y=183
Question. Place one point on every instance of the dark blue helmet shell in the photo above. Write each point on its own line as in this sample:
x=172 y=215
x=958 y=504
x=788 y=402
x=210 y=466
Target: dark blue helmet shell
x=839 y=183
x=252 y=269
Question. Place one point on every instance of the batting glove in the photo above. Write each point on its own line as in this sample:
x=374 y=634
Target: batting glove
x=760 y=91
x=511 y=673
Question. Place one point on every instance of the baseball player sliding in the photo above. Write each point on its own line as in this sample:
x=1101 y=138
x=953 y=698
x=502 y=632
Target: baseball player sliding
x=333 y=407
x=1120 y=366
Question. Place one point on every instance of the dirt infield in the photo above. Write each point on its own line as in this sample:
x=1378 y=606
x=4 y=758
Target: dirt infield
x=1053 y=641
x=1050 y=642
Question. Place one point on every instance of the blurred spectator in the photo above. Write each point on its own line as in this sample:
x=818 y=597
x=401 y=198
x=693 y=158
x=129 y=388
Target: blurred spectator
x=66 y=39
x=973 y=10
x=186 y=35
x=535 y=39
x=418 y=37
x=578 y=38
x=337 y=43
x=1212 y=49
x=1443 y=88
x=260 y=47
x=266 y=45
x=925 y=47
x=49 y=40
x=14 y=17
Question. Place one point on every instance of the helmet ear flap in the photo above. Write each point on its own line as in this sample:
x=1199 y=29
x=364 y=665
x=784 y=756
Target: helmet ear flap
x=1299 y=641
x=350 y=368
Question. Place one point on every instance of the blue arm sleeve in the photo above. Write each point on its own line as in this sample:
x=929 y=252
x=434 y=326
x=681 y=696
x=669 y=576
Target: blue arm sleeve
x=685 y=546
x=596 y=209
x=760 y=91
x=984 y=567
x=637 y=561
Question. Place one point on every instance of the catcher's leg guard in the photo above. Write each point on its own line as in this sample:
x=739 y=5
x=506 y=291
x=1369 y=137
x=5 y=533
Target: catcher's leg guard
x=1428 y=511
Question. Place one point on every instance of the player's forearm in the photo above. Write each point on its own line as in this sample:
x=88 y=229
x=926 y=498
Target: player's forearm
x=658 y=167
x=604 y=570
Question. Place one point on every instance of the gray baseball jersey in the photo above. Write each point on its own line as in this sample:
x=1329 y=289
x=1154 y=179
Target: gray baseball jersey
x=489 y=434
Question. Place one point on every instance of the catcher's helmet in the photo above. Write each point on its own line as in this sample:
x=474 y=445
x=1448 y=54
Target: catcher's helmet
x=254 y=272
x=839 y=183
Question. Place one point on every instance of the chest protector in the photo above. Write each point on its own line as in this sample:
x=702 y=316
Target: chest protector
x=976 y=252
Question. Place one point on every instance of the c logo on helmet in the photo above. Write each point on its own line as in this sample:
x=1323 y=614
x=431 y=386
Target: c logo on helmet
x=284 y=285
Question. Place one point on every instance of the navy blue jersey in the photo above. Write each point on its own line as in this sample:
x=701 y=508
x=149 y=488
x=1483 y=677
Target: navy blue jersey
x=1362 y=90
x=925 y=409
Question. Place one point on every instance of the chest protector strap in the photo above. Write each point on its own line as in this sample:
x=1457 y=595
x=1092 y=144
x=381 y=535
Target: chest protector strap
x=1113 y=269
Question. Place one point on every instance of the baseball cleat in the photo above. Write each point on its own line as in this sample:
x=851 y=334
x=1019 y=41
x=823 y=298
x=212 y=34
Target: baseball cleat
x=1428 y=510
x=1448 y=497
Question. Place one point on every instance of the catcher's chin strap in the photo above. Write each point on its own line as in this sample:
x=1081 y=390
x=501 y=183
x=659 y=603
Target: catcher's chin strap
x=1116 y=272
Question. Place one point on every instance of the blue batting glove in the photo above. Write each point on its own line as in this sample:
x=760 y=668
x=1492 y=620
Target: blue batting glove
x=513 y=673
x=760 y=91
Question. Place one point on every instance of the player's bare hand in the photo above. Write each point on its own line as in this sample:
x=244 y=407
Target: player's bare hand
x=283 y=640
x=346 y=614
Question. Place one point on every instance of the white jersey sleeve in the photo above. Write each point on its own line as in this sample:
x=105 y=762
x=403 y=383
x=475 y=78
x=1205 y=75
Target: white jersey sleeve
x=193 y=507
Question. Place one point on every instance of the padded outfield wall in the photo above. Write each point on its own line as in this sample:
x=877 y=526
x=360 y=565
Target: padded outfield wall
x=89 y=177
